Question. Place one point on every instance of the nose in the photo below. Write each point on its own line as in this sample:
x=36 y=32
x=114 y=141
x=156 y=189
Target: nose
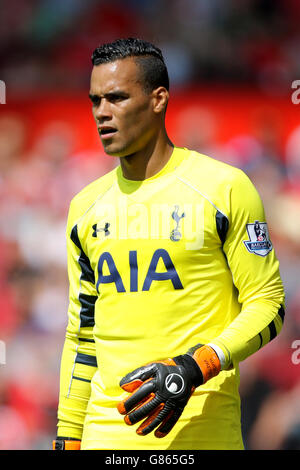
x=103 y=111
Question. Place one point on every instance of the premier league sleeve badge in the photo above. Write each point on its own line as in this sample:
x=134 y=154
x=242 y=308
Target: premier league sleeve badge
x=259 y=241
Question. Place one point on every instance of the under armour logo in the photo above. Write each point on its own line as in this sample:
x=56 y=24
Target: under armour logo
x=175 y=234
x=102 y=229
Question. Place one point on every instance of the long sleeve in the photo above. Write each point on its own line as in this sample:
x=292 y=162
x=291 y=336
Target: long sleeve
x=255 y=272
x=78 y=363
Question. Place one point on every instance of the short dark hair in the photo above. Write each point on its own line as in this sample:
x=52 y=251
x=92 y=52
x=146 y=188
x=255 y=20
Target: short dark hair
x=148 y=57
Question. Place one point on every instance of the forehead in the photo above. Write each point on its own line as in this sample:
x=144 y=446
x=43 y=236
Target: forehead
x=121 y=74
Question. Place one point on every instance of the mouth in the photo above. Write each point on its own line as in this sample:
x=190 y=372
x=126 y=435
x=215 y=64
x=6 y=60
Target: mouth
x=106 y=132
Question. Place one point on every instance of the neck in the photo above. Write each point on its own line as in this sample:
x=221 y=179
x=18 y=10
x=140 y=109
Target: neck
x=148 y=161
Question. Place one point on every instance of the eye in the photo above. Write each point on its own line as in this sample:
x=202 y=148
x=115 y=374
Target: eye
x=116 y=97
x=95 y=100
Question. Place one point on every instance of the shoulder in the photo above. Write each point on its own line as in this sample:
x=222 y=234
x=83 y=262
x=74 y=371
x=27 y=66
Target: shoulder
x=209 y=167
x=211 y=175
x=217 y=181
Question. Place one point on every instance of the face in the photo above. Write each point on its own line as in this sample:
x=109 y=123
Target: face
x=126 y=115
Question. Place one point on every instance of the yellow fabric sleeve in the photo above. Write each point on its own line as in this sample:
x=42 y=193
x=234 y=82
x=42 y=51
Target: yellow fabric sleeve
x=74 y=392
x=78 y=362
x=257 y=279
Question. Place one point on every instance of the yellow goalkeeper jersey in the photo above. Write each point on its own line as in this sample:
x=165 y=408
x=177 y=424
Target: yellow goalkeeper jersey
x=156 y=267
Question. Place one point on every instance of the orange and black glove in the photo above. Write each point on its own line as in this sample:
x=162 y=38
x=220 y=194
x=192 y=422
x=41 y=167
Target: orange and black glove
x=66 y=443
x=160 y=390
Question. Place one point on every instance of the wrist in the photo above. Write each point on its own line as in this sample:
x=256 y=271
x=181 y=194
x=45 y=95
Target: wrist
x=207 y=360
x=188 y=362
x=66 y=443
x=220 y=354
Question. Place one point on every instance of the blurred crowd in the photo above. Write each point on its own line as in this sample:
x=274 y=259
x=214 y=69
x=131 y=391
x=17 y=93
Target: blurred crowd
x=48 y=46
x=49 y=42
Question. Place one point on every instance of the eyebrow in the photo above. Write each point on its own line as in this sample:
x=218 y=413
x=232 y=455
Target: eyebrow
x=110 y=94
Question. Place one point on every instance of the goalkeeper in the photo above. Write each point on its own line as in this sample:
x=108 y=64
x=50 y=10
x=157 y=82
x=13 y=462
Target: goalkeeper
x=171 y=283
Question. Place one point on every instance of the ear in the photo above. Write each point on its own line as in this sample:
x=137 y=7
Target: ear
x=160 y=99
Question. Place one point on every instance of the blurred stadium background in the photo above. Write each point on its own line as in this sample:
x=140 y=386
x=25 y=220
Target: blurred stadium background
x=231 y=64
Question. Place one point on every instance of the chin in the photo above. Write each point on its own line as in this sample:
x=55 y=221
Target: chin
x=111 y=154
x=115 y=154
x=119 y=153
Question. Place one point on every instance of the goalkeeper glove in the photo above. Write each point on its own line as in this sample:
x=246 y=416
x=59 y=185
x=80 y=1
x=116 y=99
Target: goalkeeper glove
x=160 y=390
x=66 y=443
